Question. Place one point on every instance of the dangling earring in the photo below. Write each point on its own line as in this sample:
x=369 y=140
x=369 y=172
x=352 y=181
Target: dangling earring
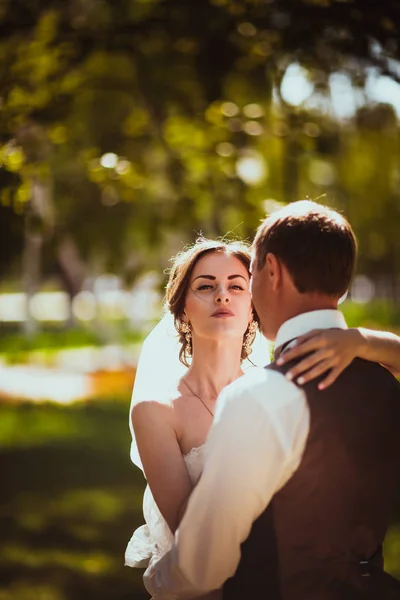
x=187 y=331
x=249 y=337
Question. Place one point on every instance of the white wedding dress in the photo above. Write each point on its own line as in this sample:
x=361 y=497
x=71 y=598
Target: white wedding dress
x=161 y=348
x=155 y=538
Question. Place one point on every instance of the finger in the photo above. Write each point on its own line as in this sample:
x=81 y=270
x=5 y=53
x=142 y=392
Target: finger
x=314 y=344
x=297 y=351
x=333 y=375
x=316 y=371
x=306 y=364
x=337 y=369
x=297 y=346
x=309 y=334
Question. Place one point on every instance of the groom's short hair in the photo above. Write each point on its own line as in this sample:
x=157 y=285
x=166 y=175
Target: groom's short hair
x=315 y=243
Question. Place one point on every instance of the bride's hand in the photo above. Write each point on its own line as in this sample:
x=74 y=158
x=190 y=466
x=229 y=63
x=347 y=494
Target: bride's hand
x=332 y=351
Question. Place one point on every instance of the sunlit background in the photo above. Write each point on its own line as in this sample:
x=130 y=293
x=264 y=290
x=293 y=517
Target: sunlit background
x=128 y=128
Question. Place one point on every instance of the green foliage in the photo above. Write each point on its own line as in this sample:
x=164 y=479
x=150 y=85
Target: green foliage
x=181 y=106
x=375 y=315
x=42 y=348
x=50 y=339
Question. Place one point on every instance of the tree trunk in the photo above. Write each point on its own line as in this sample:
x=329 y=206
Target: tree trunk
x=39 y=218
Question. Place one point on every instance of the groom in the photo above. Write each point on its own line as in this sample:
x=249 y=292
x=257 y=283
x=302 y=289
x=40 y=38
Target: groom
x=298 y=483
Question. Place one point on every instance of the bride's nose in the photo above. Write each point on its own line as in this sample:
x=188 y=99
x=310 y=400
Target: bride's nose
x=222 y=296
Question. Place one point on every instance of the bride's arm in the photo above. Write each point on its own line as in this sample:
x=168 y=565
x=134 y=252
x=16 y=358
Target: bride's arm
x=334 y=349
x=382 y=347
x=162 y=460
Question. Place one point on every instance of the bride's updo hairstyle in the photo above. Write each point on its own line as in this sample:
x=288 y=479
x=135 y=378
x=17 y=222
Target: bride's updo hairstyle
x=179 y=282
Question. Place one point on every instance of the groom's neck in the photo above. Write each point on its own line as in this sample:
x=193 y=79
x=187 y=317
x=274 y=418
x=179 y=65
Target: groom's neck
x=314 y=301
x=303 y=303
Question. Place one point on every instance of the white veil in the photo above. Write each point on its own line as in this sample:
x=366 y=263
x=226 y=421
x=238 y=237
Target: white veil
x=159 y=368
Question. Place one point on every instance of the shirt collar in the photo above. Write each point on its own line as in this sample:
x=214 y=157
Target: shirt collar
x=315 y=319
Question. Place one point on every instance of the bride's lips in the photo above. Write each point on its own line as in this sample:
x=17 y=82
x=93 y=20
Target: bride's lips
x=223 y=313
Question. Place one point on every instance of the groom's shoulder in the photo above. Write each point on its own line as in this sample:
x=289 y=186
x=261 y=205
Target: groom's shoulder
x=262 y=385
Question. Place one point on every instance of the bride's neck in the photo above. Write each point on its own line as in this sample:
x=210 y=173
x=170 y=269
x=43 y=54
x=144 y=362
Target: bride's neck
x=214 y=366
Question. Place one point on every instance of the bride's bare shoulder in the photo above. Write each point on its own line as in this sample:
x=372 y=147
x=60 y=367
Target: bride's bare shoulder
x=164 y=406
x=158 y=419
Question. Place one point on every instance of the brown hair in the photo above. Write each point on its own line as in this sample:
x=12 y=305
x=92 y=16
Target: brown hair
x=316 y=244
x=181 y=271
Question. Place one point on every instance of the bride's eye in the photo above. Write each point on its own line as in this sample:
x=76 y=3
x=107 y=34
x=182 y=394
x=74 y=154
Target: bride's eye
x=237 y=287
x=205 y=286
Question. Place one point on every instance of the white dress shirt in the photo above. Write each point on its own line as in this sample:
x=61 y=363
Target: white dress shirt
x=254 y=446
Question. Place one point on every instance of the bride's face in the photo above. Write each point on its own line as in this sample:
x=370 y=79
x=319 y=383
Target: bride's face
x=218 y=302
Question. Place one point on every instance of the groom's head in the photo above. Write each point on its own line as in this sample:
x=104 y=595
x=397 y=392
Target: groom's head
x=303 y=259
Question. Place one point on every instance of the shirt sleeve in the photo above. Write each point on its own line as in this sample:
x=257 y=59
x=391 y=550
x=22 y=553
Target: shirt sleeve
x=253 y=448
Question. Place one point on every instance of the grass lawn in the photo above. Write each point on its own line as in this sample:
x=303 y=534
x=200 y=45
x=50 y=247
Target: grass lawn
x=69 y=501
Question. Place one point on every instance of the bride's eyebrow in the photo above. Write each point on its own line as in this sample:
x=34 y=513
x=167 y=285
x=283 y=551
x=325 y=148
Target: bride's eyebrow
x=213 y=278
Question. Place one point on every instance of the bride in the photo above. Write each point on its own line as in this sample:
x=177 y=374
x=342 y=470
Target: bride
x=173 y=403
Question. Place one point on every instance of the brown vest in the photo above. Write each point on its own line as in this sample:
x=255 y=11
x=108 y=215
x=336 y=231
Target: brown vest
x=321 y=536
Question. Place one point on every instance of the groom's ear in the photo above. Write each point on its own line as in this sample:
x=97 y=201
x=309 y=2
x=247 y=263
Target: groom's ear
x=274 y=270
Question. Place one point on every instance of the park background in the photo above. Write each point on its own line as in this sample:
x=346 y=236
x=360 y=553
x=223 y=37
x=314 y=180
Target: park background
x=128 y=127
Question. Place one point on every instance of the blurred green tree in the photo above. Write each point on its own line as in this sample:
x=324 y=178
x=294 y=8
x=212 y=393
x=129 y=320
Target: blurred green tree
x=129 y=126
